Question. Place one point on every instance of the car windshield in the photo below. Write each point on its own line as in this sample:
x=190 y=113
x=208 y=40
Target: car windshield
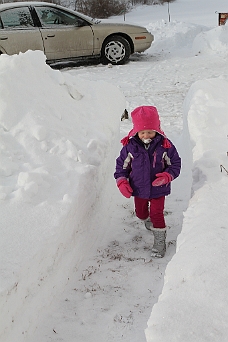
x=94 y=20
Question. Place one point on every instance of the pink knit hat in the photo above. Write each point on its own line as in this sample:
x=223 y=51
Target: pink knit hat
x=145 y=118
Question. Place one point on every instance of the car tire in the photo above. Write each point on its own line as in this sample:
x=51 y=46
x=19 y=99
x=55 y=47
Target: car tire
x=115 y=50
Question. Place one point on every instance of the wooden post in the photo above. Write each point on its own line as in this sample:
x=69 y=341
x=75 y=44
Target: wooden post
x=168 y=12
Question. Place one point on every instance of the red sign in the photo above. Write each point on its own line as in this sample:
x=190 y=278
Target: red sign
x=223 y=18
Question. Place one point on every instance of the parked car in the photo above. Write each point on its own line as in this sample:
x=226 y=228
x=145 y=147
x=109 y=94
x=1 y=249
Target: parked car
x=63 y=34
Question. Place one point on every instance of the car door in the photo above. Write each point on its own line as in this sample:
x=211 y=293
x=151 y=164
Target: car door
x=17 y=31
x=64 y=34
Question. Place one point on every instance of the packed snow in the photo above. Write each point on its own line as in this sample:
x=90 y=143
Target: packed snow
x=75 y=261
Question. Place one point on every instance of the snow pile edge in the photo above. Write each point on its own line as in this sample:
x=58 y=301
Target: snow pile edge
x=53 y=172
x=193 y=284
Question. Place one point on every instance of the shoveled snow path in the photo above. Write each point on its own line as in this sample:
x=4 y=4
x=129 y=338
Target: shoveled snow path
x=104 y=295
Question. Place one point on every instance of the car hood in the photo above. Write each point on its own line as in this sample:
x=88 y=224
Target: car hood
x=127 y=27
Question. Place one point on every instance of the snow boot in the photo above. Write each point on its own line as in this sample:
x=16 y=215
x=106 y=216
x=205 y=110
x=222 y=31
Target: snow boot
x=148 y=224
x=159 y=247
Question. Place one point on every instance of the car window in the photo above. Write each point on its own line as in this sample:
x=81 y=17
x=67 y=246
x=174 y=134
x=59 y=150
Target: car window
x=16 y=17
x=50 y=16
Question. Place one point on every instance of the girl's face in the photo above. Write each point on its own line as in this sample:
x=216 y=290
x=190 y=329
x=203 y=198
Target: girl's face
x=146 y=136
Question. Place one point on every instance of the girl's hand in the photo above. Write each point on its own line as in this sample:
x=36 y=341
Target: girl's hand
x=124 y=187
x=162 y=178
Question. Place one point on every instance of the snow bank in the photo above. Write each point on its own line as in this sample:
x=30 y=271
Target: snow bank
x=193 y=304
x=173 y=37
x=214 y=41
x=57 y=134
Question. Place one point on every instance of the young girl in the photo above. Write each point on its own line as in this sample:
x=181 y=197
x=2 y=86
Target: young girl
x=147 y=164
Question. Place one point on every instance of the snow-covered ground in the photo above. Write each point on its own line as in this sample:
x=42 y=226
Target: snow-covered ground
x=75 y=261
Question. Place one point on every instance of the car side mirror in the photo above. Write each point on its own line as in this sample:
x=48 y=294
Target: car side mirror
x=81 y=23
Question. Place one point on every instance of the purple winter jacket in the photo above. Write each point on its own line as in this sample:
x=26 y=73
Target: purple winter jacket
x=140 y=165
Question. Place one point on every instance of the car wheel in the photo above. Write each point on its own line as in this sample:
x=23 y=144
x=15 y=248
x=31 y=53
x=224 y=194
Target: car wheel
x=115 y=50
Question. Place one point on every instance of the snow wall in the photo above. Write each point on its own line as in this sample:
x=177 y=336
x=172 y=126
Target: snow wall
x=193 y=304
x=57 y=135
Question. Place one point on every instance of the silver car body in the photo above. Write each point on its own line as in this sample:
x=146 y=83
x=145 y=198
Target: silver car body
x=62 y=33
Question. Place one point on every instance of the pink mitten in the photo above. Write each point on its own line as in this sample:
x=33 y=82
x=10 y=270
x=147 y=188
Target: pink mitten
x=162 y=178
x=124 y=187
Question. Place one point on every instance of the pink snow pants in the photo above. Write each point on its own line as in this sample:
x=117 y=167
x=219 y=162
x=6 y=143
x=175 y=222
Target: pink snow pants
x=151 y=207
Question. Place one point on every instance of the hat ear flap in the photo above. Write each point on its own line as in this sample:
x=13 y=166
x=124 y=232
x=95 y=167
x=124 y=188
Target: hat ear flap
x=125 y=140
x=166 y=143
